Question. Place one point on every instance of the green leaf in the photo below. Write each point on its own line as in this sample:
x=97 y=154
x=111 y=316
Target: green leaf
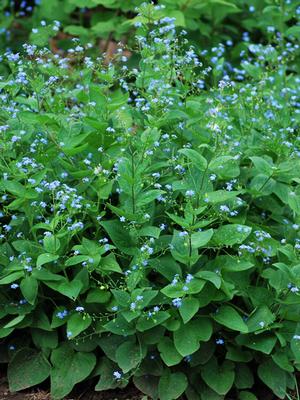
x=189 y=308
x=232 y=264
x=147 y=384
x=166 y=266
x=274 y=377
x=261 y=318
x=145 y=322
x=29 y=288
x=180 y=249
x=69 y=368
x=244 y=395
x=243 y=377
x=109 y=264
x=168 y=352
x=69 y=289
x=187 y=338
x=197 y=159
x=225 y=167
x=179 y=15
x=210 y=276
x=220 y=196
x=105 y=369
x=147 y=197
x=44 y=339
x=294 y=201
x=14 y=322
x=200 y=239
x=262 y=166
x=120 y=236
x=180 y=289
x=281 y=358
x=77 y=323
x=263 y=342
x=51 y=244
x=129 y=355
x=186 y=341
x=228 y=235
x=229 y=317
x=151 y=231
x=98 y=296
x=119 y=326
x=45 y=258
x=11 y=278
x=220 y=378
x=171 y=385
x=27 y=368
x=76 y=260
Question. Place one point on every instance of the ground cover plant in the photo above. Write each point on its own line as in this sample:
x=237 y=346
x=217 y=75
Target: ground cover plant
x=106 y=21
x=150 y=217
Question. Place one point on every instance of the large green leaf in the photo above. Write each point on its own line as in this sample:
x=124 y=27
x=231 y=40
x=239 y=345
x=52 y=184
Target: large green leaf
x=168 y=352
x=69 y=368
x=129 y=355
x=27 y=368
x=274 y=377
x=200 y=239
x=228 y=235
x=187 y=338
x=220 y=378
x=172 y=385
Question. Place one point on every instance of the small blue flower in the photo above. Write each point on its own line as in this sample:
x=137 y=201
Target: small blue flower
x=14 y=286
x=117 y=375
x=177 y=302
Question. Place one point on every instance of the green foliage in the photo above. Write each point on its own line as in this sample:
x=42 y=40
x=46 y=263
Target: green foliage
x=150 y=216
x=114 y=20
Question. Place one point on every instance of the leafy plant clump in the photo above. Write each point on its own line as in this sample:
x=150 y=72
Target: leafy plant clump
x=106 y=21
x=150 y=218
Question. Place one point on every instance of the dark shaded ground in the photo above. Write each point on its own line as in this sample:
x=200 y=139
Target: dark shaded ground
x=127 y=394
x=87 y=393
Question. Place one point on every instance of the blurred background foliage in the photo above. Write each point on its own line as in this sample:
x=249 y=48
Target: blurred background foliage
x=103 y=22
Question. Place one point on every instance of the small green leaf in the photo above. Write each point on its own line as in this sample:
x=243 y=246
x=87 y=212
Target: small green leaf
x=229 y=317
x=109 y=264
x=197 y=159
x=11 y=278
x=98 y=296
x=29 y=288
x=51 y=244
x=77 y=323
x=220 y=196
x=45 y=258
x=189 y=308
